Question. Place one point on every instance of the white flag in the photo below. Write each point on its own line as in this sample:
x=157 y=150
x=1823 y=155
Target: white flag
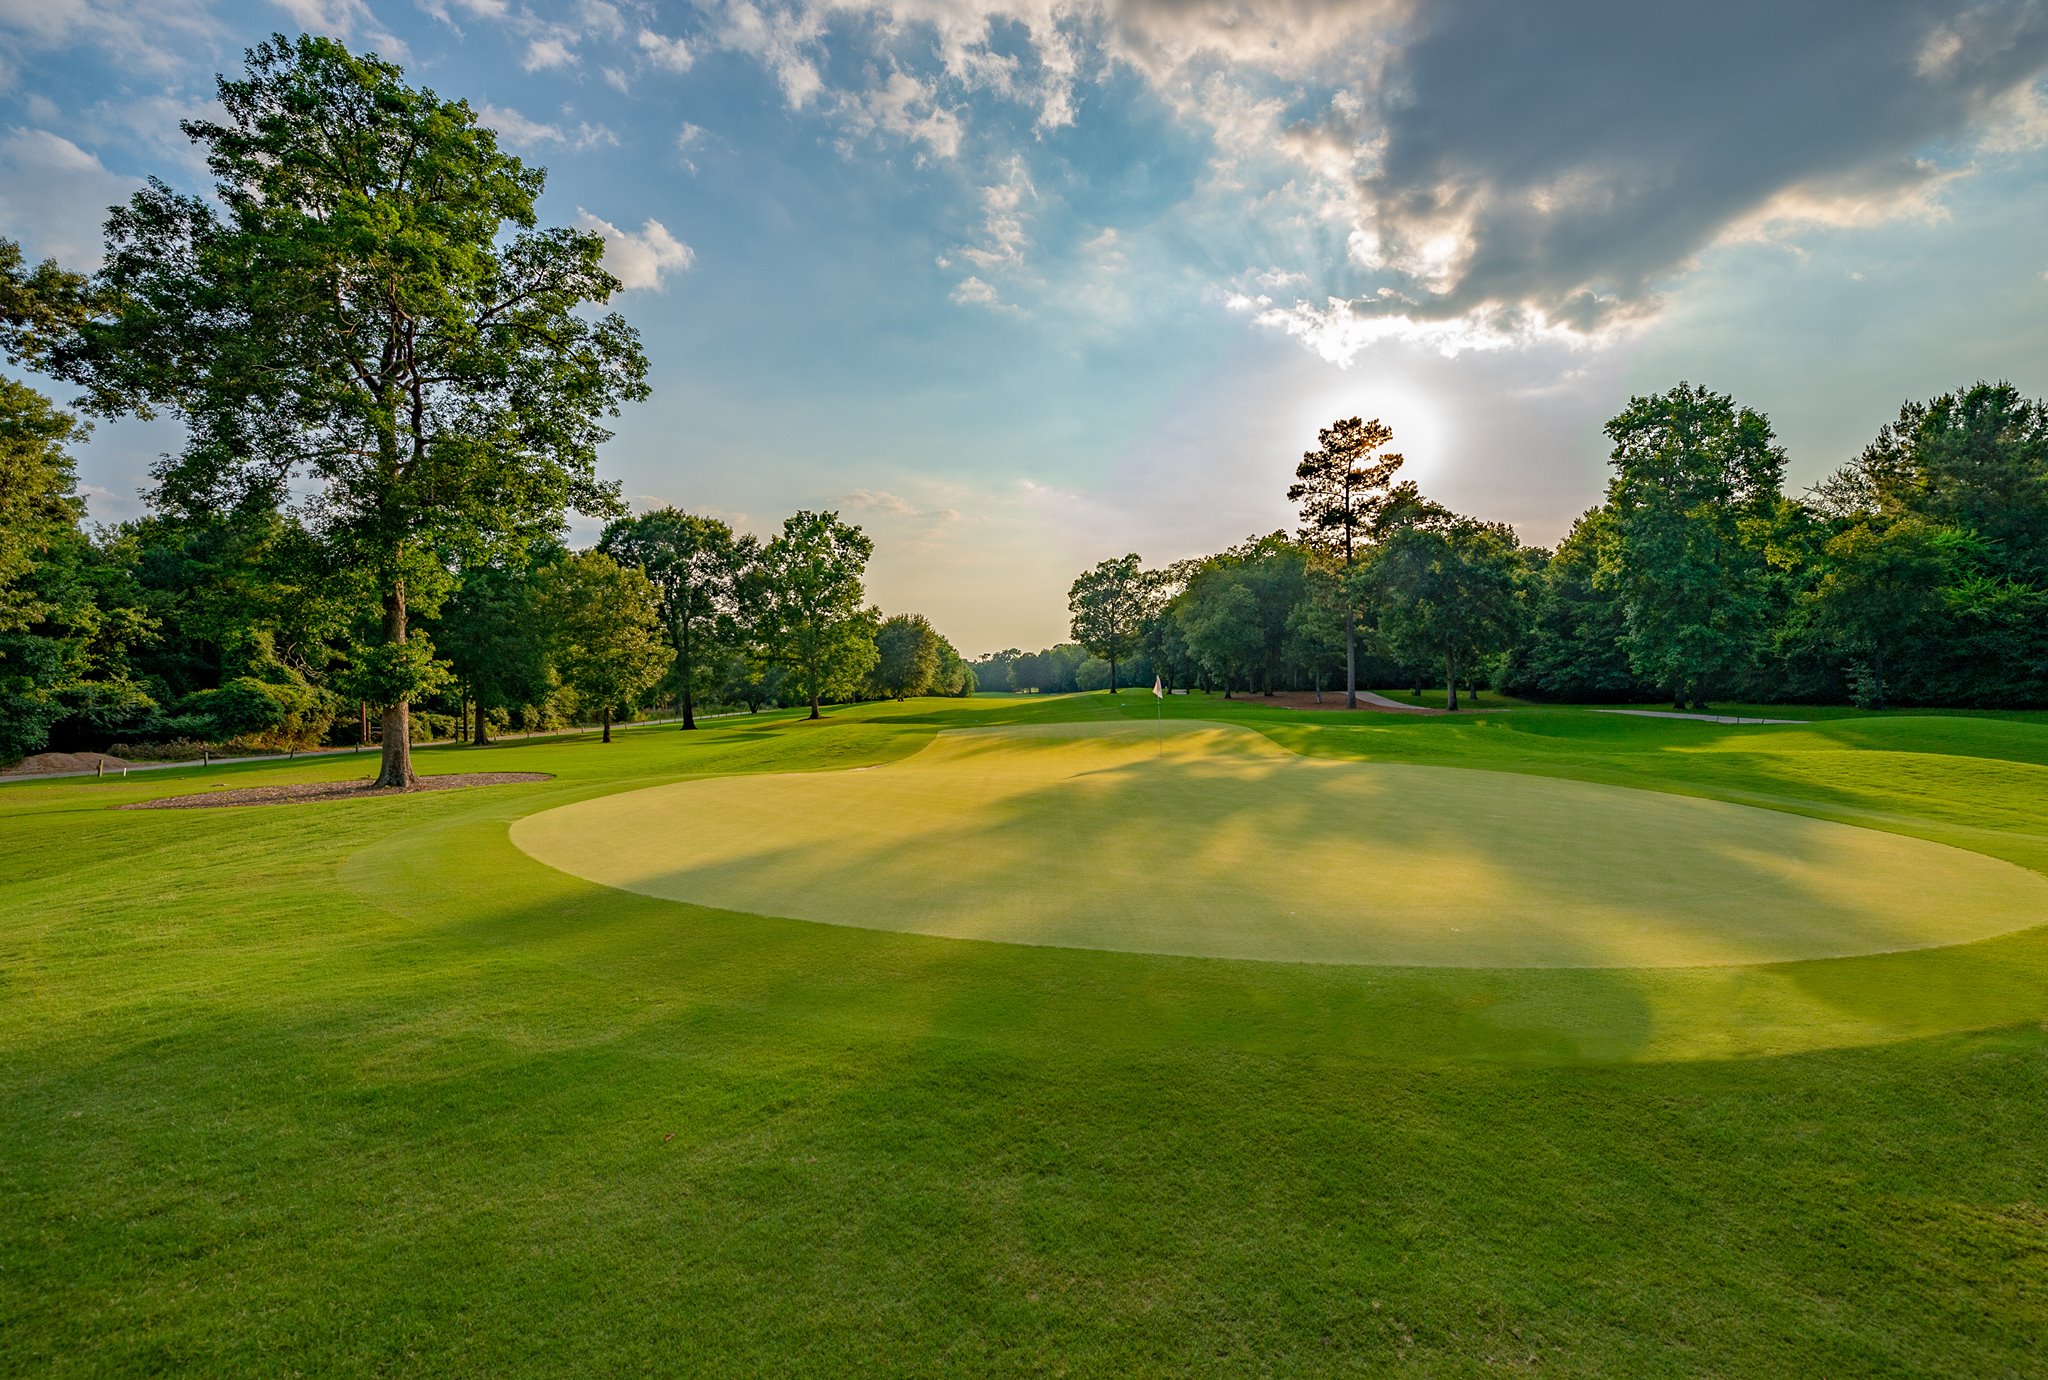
x=1157 y=688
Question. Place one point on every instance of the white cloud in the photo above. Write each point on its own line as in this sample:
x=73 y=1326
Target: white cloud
x=777 y=39
x=669 y=54
x=1385 y=144
x=138 y=38
x=545 y=53
x=974 y=292
x=346 y=19
x=688 y=139
x=54 y=196
x=522 y=132
x=602 y=18
x=638 y=259
x=909 y=110
x=1003 y=238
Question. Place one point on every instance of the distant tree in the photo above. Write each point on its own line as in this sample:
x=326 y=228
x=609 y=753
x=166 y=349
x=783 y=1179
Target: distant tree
x=1340 y=487
x=1695 y=486
x=363 y=304
x=604 y=621
x=1974 y=459
x=40 y=307
x=814 y=616
x=906 y=657
x=1315 y=624
x=955 y=677
x=1219 y=617
x=1109 y=605
x=493 y=632
x=992 y=671
x=696 y=564
x=63 y=640
x=1578 y=643
x=1883 y=588
x=1447 y=592
x=39 y=502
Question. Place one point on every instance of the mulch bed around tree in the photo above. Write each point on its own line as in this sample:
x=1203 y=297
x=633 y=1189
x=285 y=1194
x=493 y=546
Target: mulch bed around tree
x=331 y=790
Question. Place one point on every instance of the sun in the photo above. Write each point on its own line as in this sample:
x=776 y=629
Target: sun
x=1420 y=420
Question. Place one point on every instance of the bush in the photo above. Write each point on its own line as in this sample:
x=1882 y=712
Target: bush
x=175 y=750
x=277 y=712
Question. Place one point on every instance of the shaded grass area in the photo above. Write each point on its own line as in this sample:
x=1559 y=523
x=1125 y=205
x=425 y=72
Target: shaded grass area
x=359 y=1089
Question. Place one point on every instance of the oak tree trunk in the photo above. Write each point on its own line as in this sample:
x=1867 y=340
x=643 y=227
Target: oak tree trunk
x=607 y=724
x=1450 y=685
x=395 y=767
x=482 y=735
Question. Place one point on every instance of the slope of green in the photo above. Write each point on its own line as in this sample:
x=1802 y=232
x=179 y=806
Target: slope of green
x=362 y=1089
x=1211 y=841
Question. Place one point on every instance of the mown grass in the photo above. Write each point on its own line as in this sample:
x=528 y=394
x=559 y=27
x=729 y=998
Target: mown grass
x=360 y=1089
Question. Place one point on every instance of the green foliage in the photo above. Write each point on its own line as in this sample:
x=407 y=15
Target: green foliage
x=604 y=621
x=1695 y=484
x=1445 y=592
x=39 y=306
x=281 y=711
x=1344 y=484
x=388 y=673
x=39 y=503
x=698 y=566
x=1109 y=605
x=493 y=632
x=907 y=658
x=955 y=677
x=1575 y=649
x=812 y=613
x=364 y=304
x=68 y=619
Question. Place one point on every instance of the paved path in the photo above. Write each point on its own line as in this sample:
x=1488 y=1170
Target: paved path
x=1384 y=703
x=1703 y=718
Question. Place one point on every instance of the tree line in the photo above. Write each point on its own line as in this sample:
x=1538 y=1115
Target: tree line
x=1915 y=574
x=393 y=382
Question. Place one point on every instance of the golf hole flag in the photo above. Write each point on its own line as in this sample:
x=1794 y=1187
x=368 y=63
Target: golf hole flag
x=1158 y=689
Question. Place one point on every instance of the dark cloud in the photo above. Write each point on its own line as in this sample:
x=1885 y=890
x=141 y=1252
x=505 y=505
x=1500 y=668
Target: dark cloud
x=1568 y=157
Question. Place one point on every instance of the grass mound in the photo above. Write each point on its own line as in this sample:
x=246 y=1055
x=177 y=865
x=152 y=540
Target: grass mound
x=1212 y=841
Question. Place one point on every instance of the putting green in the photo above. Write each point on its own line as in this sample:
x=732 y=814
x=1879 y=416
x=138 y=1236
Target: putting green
x=1211 y=840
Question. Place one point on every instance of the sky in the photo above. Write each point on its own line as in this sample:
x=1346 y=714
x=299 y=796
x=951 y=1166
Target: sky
x=1019 y=285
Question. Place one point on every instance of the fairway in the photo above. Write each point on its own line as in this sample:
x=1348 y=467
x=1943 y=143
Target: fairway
x=1210 y=840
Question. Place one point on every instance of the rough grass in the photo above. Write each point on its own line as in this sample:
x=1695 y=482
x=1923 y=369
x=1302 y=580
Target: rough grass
x=359 y=1089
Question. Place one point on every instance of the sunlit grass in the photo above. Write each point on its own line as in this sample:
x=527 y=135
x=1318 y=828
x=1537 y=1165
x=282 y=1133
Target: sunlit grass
x=360 y=1088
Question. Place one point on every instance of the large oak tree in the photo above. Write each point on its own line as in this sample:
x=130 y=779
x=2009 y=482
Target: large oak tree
x=368 y=318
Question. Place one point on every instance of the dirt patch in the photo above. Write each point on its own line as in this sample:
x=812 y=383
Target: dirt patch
x=331 y=790
x=45 y=763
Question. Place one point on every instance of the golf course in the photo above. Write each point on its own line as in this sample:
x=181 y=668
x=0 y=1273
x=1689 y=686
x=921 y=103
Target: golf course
x=1066 y=1034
